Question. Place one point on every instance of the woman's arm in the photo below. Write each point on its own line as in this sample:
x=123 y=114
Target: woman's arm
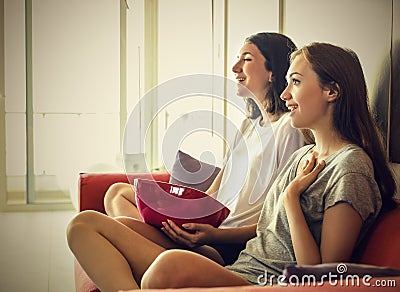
x=306 y=250
x=235 y=235
x=340 y=228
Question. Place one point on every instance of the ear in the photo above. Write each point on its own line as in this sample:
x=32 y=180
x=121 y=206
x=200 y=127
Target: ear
x=270 y=77
x=333 y=92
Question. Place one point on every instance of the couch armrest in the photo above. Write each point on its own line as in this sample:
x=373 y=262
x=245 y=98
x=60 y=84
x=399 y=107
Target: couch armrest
x=93 y=186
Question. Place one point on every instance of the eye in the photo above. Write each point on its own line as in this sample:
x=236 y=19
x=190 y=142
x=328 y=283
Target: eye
x=247 y=59
x=295 y=81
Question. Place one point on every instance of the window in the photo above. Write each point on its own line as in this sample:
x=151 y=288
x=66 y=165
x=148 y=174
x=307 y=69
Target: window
x=62 y=98
x=73 y=70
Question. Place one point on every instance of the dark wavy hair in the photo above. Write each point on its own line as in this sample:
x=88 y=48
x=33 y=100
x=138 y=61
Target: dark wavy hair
x=276 y=49
x=340 y=69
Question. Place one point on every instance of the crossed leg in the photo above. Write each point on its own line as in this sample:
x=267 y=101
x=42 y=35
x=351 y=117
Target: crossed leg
x=120 y=200
x=114 y=254
x=180 y=269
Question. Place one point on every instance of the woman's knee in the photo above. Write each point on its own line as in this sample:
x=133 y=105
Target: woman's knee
x=81 y=222
x=169 y=270
x=118 y=190
x=113 y=191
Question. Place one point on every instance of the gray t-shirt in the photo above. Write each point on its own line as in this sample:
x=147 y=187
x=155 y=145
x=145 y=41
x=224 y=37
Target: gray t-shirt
x=348 y=176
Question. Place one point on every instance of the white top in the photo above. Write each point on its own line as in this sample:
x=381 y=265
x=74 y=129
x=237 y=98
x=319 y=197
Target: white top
x=253 y=165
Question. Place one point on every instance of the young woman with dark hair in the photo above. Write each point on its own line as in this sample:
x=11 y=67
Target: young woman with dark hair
x=262 y=146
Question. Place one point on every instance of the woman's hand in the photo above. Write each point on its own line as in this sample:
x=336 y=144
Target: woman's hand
x=201 y=233
x=305 y=248
x=304 y=178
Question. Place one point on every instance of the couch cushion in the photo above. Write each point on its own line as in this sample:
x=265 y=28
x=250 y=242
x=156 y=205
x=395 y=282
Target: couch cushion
x=381 y=247
x=191 y=172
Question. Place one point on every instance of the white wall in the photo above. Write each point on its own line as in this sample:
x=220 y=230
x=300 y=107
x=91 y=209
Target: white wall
x=362 y=25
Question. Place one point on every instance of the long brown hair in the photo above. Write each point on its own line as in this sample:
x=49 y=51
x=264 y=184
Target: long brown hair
x=340 y=69
x=276 y=49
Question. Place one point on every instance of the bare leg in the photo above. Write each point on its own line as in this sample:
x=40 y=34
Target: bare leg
x=120 y=200
x=171 y=269
x=113 y=256
x=158 y=237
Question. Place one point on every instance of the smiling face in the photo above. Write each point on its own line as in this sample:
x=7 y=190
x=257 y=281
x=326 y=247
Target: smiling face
x=310 y=105
x=250 y=72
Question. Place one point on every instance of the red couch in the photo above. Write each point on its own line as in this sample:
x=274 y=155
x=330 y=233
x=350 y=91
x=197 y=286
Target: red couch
x=381 y=248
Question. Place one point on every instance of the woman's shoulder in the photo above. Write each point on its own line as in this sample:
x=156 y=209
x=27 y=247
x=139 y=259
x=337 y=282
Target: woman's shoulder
x=353 y=158
x=354 y=153
x=284 y=126
x=285 y=134
x=283 y=121
x=248 y=123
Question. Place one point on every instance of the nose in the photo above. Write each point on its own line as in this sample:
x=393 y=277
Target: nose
x=236 y=68
x=285 y=95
